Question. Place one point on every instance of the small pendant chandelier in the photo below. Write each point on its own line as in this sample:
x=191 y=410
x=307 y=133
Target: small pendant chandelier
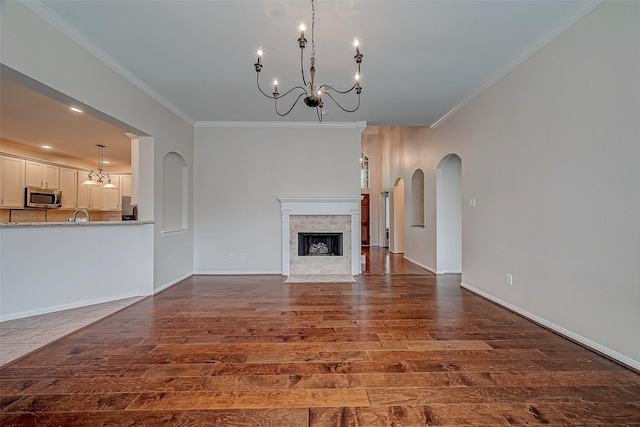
x=311 y=92
x=99 y=176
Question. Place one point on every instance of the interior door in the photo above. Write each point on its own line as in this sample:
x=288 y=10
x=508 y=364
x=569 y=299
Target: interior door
x=364 y=220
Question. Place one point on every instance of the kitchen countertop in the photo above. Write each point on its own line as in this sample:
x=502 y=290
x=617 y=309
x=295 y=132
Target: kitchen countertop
x=72 y=224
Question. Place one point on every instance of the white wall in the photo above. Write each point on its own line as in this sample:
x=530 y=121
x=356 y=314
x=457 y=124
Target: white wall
x=240 y=172
x=33 y=47
x=405 y=149
x=550 y=152
x=51 y=268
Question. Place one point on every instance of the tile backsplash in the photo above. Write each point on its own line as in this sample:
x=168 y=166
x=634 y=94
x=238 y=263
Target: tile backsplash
x=53 y=215
x=28 y=215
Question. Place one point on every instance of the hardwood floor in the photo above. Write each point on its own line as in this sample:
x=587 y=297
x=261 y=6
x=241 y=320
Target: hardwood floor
x=390 y=350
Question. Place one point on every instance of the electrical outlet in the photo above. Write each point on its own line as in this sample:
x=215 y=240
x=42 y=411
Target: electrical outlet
x=472 y=202
x=242 y=256
x=231 y=255
x=508 y=279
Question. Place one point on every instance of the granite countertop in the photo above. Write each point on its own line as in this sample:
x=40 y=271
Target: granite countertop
x=72 y=224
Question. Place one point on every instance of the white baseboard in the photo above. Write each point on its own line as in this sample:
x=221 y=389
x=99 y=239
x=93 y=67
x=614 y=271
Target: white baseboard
x=78 y=304
x=635 y=364
x=419 y=264
x=171 y=283
x=450 y=272
x=236 y=273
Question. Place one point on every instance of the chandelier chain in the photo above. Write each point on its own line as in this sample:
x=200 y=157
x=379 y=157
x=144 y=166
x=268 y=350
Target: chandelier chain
x=313 y=26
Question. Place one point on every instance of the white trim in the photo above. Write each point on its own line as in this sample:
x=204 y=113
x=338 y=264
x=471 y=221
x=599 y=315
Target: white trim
x=68 y=30
x=419 y=264
x=171 y=283
x=450 y=272
x=236 y=273
x=525 y=54
x=78 y=304
x=559 y=329
x=173 y=232
x=292 y=125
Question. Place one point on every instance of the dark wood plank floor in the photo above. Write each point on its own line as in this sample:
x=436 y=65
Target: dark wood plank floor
x=390 y=350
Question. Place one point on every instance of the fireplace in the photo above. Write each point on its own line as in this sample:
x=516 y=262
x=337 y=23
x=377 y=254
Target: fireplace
x=320 y=238
x=319 y=244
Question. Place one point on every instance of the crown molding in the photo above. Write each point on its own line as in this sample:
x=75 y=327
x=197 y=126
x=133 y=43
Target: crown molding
x=538 y=44
x=68 y=30
x=284 y=125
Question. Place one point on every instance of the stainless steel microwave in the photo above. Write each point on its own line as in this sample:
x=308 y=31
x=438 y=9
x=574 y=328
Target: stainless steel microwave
x=35 y=197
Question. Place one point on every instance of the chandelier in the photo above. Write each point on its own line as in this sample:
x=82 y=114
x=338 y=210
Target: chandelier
x=99 y=175
x=311 y=92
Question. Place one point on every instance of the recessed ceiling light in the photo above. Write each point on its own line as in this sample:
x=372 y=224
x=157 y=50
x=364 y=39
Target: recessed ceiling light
x=106 y=162
x=77 y=110
x=48 y=147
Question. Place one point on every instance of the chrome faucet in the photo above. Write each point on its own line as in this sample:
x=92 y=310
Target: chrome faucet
x=75 y=216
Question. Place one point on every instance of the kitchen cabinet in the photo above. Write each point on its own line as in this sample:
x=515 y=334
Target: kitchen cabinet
x=125 y=185
x=11 y=182
x=111 y=200
x=69 y=187
x=83 y=196
x=41 y=175
x=98 y=198
x=89 y=197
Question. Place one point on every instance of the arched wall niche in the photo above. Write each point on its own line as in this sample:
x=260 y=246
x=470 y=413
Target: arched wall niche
x=175 y=191
x=417 y=199
x=449 y=214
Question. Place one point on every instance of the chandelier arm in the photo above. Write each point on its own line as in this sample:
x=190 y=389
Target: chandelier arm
x=260 y=89
x=319 y=114
x=275 y=103
x=341 y=107
x=338 y=91
x=291 y=90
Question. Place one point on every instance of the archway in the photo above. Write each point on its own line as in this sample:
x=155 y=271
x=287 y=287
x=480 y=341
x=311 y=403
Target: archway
x=396 y=242
x=449 y=214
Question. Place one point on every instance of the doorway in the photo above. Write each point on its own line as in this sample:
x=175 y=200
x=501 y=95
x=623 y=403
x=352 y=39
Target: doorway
x=364 y=220
x=386 y=214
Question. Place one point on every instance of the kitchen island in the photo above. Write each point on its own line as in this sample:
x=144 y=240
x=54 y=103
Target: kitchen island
x=53 y=266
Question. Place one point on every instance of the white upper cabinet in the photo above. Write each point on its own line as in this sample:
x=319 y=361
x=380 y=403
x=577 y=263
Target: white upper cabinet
x=17 y=173
x=125 y=185
x=11 y=182
x=98 y=198
x=41 y=175
x=111 y=200
x=69 y=187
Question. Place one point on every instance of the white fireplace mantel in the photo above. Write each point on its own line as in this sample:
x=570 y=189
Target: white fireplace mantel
x=322 y=206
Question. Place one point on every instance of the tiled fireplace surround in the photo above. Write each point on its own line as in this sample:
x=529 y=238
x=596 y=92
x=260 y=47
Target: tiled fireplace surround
x=323 y=214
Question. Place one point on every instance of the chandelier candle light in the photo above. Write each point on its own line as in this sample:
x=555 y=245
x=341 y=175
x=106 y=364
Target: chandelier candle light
x=311 y=92
x=100 y=176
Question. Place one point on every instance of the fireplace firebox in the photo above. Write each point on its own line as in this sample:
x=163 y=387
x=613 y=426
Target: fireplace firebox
x=319 y=244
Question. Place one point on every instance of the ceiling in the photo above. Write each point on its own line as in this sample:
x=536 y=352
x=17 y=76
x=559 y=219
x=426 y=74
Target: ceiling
x=421 y=60
x=30 y=119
